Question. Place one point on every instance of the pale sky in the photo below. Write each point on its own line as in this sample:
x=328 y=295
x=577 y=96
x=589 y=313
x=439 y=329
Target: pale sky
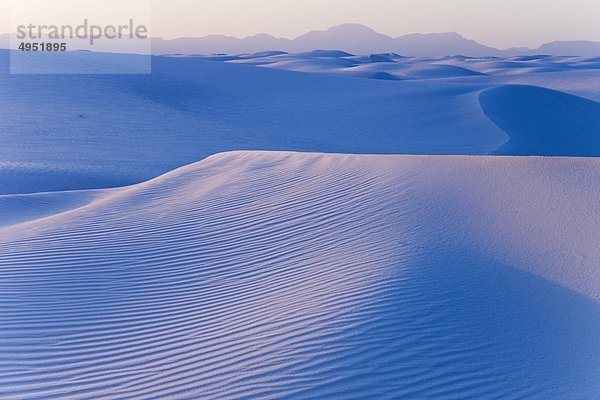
x=498 y=23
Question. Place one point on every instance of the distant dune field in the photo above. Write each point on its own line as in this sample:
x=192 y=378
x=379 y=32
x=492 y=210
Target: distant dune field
x=99 y=131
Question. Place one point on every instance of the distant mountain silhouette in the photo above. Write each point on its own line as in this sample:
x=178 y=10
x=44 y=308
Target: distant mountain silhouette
x=356 y=39
x=576 y=48
x=360 y=39
x=353 y=38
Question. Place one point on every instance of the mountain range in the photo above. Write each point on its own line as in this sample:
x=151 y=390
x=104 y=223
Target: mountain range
x=352 y=38
x=359 y=39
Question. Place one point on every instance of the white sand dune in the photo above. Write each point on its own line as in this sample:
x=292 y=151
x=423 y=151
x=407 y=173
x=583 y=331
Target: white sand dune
x=286 y=275
x=191 y=107
x=542 y=121
x=129 y=270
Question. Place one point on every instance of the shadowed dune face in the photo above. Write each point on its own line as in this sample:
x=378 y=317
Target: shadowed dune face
x=16 y=209
x=312 y=276
x=543 y=122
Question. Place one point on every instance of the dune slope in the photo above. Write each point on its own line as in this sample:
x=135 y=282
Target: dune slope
x=542 y=121
x=284 y=275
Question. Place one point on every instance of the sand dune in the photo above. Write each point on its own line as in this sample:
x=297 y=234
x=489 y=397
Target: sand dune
x=191 y=107
x=433 y=263
x=285 y=275
x=542 y=121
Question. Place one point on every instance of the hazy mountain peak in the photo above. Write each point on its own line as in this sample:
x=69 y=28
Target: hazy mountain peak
x=349 y=31
x=352 y=28
x=261 y=36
